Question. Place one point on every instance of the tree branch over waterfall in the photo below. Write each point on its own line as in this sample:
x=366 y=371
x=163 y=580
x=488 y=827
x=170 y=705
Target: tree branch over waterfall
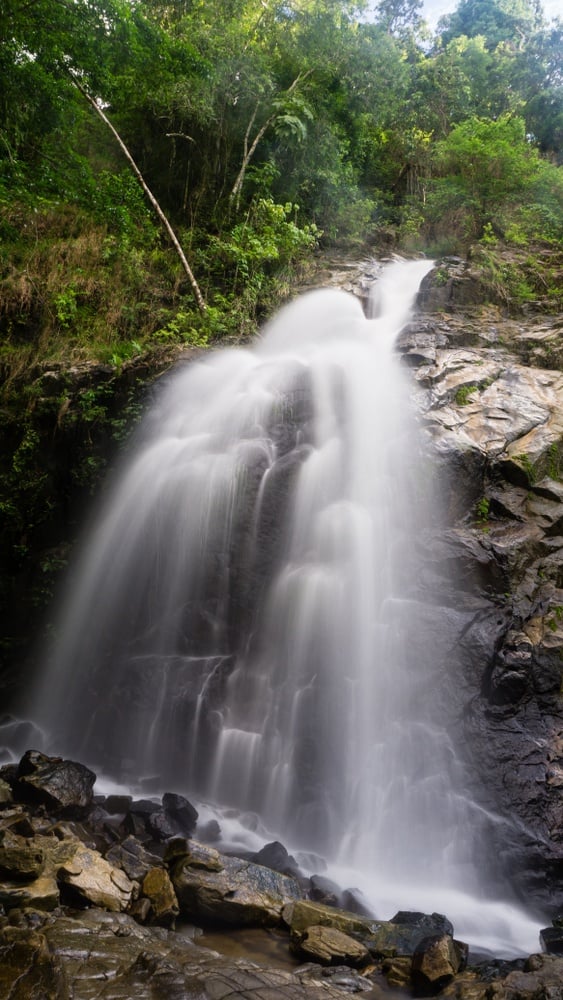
x=248 y=151
x=161 y=215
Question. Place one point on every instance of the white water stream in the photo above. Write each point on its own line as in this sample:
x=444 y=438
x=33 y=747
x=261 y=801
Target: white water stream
x=247 y=620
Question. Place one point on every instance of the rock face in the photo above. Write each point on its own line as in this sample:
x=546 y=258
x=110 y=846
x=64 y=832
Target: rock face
x=105 y=955
x=492 y=408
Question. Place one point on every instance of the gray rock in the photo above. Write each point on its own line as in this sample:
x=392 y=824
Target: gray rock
x=133 y=858
x=213 y=887
x=60 y=784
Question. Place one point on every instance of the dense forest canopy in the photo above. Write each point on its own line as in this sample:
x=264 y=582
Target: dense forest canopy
x=262 y=128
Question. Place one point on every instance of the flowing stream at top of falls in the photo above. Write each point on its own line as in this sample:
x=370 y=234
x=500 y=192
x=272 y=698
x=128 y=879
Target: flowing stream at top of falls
x=249 y=619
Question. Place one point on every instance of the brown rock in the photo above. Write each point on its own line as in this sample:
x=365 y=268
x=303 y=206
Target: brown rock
x=435 y=963
x=20 y=858
x=41 y=894
x=159 y=890
x=329 y=947
x=96 y=881
x=397 y=971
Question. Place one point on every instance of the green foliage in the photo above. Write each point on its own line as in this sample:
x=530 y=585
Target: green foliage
x=182 y=329
x=526 y=464
x=484 y=169
x=463 y=393
x=554 y=461
x=482 y=510
x=497 y=20
x=268 y=239
x=237 y=113
x=553 y=623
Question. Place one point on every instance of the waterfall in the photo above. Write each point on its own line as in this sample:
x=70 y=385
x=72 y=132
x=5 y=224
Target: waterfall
x=248 y=622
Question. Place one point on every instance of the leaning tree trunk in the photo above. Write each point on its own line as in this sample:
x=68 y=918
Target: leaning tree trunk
x=163 y=218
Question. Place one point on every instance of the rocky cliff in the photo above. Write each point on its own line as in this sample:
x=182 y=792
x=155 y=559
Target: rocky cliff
x=489 y=391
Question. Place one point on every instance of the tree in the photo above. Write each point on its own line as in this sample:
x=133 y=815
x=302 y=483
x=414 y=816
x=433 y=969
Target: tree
x=498 y=21
x=483 y=169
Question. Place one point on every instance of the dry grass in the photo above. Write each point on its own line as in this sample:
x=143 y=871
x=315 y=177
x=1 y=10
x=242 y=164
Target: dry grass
x=71 y=291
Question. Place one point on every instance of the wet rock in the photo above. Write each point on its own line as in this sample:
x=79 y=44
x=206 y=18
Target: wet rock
x=541 y=979
x=397 y=971
x=180 y=812
x=354 y=901
x=41 y=894
x=226 y=890
x=427 y=924
x=161 y=826
x=210 y=832
x=109 y=954
x=194 y=854
x=6 y=796
x=324 y=890
x=20 y=858
x=329 y=947
x=383 y=938
x=60 y=784
x=133 y=858
x=435 y=962
x=27 y=968
x=117 y=804
x=93 y=880
x=275 y=856
x=344 y=978
x=159 y=890
x=551 y=940
x=301 y=915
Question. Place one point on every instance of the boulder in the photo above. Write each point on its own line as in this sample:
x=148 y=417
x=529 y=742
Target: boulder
x=275 y=856
x=161 y=826
x=324 y=890
x=93 y=880
x=426 y=923
x=541 y=979
x=180 y=812
x=210 y=832
x=119 y=804
x=20 y=858
x=217 y=888
x=383 y=938
x=6 y=796
x=302 y=914
x=41 y=894
x=551 y=940
x=329 y=947
x=133 y=857
x=436 y=960
x=397 y=971
x=60 y=784
x=159 y=890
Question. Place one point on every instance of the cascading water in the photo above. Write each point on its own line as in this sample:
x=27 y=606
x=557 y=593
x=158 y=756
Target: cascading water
x=246 y=622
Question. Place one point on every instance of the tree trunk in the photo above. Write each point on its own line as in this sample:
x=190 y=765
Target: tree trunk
x=164 y=220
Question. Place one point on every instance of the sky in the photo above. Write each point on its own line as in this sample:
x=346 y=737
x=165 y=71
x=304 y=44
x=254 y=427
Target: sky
x=433 y=9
